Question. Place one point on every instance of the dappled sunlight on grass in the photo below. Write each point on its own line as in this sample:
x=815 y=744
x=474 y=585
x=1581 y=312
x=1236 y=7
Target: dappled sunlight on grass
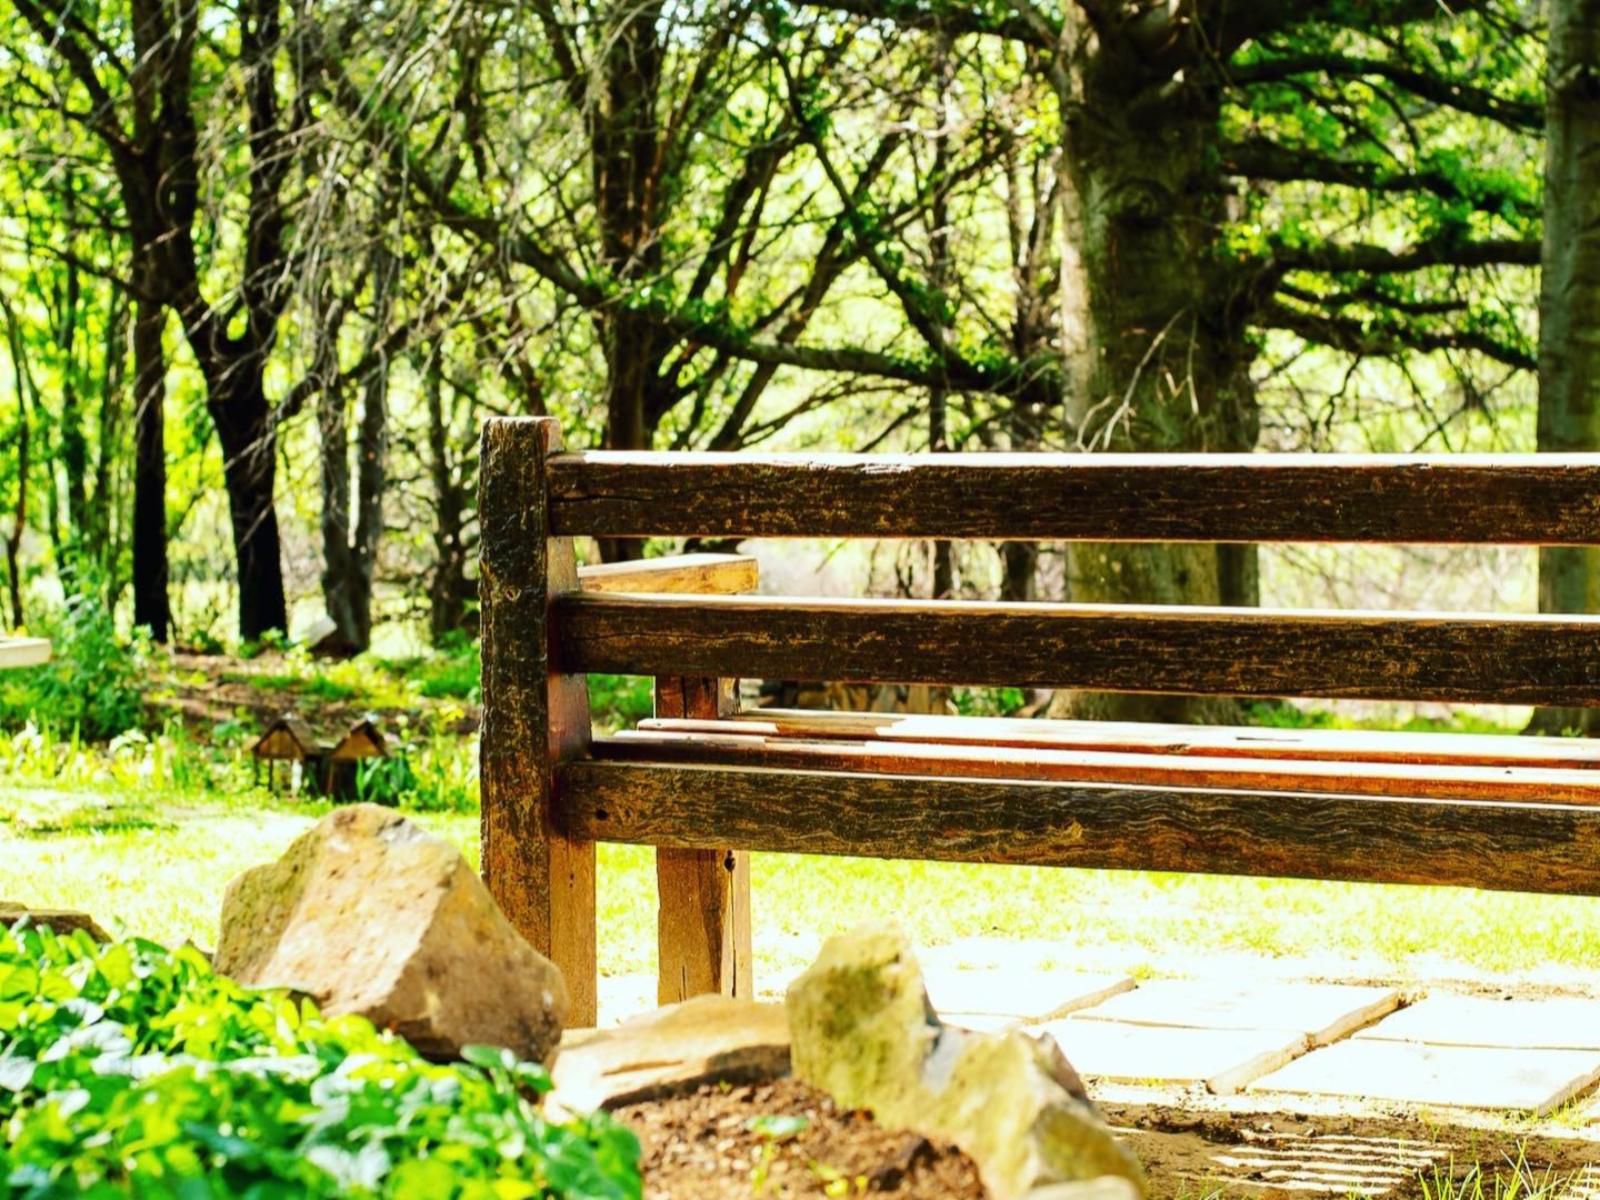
x=160 y=871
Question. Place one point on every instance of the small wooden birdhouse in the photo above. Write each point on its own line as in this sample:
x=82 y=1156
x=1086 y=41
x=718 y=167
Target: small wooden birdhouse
x=290 y=740
x=363 y=741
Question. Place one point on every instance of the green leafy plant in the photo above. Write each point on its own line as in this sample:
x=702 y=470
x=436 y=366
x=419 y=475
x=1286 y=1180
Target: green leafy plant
x=387 y=781
x=133 y=1070
x=617 y=701
x=771 y=1129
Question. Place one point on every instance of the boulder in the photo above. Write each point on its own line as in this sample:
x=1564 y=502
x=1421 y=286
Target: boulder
x=862 y=1030
x=60 y=920
x=709 y=1039
x=367 y=913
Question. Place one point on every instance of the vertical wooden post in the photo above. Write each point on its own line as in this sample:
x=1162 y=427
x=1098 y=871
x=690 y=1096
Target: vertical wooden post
x=533 y=716
x=703 y=927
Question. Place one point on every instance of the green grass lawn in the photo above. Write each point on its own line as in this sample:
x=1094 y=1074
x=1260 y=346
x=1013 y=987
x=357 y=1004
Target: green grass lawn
x=156 y=865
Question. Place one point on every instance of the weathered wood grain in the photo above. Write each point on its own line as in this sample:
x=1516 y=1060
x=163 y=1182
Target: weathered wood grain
x=533 y=716
x=703 y=933
x=1533 y=499
x=23 y=652
x=703 y=574
x=1509 y=847
x=1212 y=741
x=1531 y=785
x=1546 y=660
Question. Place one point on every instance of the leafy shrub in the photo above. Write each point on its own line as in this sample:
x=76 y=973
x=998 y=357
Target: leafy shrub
x=386 y=781
x=92 y=684
x=131 y=1070
x=617 y=701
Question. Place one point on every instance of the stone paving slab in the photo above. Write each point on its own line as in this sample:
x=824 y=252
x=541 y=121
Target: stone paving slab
x=1324 y=1012
x=1446 y=1020
x=1016 y=993
x=1536 y=1081
x=1225 y=1060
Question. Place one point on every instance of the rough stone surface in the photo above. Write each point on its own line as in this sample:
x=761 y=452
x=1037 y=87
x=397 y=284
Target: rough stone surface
x=61 y=920
x=367 y=913
x=708 y=1039
x=863 y=1031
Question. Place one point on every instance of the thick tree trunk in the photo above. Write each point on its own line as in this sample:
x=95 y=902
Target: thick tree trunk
x=151 y=606
x=1569 y=301
x=1167 y=362
x=236 y=399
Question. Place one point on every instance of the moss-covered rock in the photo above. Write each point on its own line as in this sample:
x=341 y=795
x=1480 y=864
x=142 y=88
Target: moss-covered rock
x=367 y=913
x=861 y=1028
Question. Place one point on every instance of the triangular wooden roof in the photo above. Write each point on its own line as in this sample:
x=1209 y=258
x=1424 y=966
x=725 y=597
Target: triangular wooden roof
x=287 y=737
x=363 y=741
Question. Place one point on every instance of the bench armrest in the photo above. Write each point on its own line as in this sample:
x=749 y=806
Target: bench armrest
x=23 y=652
x=705 y=574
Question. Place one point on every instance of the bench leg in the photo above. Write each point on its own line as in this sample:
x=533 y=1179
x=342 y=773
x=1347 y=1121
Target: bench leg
x=703 y=926
x=533 y=716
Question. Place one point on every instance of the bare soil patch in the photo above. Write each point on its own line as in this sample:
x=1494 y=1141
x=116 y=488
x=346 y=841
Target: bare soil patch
x=732 y=1143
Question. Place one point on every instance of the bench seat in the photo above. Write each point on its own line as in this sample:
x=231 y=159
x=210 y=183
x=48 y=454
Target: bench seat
x=1451 y=773
x=706 y=784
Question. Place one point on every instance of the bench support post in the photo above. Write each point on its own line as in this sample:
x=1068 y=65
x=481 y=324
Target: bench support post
x=703 y=926
x=533 y=716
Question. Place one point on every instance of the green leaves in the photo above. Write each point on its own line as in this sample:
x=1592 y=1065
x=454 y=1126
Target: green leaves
x=132 y=1070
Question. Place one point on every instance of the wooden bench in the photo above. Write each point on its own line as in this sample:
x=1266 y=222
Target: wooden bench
x=16 y=653
x=706 y=784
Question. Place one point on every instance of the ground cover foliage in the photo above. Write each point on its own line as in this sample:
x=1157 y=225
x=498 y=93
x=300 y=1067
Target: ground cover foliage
x=133 y=1070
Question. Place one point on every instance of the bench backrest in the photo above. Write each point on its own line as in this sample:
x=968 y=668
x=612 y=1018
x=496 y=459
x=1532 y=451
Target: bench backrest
x=541 y=633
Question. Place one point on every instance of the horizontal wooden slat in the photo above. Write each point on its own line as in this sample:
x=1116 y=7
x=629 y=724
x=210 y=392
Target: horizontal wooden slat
x=705 y=574
x=1548 y=499
x=1463 y=658
x=1529 y=785
x=1516 y=847
x=23 y=652
x=1221 y=741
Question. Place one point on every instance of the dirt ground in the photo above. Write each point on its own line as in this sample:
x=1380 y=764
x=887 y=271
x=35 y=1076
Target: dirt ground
x=786 y=1141
x=729 y=1143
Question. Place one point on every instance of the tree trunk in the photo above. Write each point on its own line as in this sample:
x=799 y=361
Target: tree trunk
x=350 y=550
x=449 y=590
x=19 y=514
x=74 y=445
x=625 y=145
x=1569 y=301
x=151 y=606
x=236 y=398
x=1167 y=362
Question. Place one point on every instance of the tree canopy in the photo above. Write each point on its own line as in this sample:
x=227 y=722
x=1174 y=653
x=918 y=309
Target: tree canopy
x=268 y=264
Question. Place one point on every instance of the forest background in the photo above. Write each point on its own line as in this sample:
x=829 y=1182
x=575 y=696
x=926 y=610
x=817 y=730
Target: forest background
x=266 y=265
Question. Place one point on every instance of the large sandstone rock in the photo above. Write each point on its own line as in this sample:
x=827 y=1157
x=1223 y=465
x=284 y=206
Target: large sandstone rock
x=59 y=920
x=709 y=1039
x=367 y=913
x=862 y=1030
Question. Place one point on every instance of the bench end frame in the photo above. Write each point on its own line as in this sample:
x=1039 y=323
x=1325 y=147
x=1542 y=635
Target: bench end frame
x=534 y=717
